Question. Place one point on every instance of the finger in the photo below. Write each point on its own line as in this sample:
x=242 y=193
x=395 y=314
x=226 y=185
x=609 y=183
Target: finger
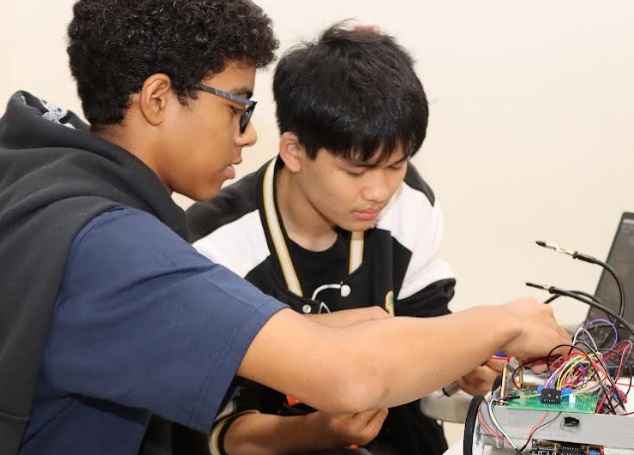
x=470 y=382
x=463 y=383
x=540 y=364
x=479 y=381
x=340 y=419
x=481 y=374
x=562 y=349
x=566 y=336
x=539 y=367
x=378 y=418
x=496 y=365
x=473 y=388
x=365 y=417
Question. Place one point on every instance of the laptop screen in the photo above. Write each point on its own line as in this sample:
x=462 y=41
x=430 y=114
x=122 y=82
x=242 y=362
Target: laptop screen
x=621 y=258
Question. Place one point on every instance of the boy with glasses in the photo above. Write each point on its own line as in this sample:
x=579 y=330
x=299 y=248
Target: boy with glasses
x=111 y=325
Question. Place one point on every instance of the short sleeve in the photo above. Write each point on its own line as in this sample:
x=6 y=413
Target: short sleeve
x=144 y=321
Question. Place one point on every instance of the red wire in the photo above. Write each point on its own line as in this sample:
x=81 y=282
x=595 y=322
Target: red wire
x=489 y=430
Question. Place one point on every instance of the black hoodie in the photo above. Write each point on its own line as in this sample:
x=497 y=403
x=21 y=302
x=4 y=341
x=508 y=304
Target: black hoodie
x=54 y=177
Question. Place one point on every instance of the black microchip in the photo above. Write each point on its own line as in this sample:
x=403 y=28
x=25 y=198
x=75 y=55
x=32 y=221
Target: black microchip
x=550 y=396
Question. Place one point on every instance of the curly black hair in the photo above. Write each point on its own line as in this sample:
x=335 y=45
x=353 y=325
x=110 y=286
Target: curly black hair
x=352 y=92
x=115 y=45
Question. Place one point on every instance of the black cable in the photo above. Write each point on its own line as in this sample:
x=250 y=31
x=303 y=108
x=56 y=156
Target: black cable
x=623 y=359
x=551 y=298
x=624 y=362
x=592 y=260
x=599 y=382
x=594 y=299
x=556 y=291
x=550 y=355
x=628 y=365
x=611 y=380
x=599 y=359
x=611 y=271
x=629 y=385
x=581 y=293
x=617 y=374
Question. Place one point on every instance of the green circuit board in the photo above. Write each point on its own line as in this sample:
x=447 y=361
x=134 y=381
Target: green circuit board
x=584 y=404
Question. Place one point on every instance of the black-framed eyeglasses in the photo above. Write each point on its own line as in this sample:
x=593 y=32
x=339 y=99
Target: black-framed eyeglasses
x=249 y=104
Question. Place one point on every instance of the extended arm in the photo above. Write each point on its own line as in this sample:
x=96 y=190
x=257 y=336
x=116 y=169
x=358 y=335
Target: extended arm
x=387 y=362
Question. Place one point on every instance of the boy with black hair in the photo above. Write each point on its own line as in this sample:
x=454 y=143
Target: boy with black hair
x=109 y=319
x=340 y=220
x=102 y=310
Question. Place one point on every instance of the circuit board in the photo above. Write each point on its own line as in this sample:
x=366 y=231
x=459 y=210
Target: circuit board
x=584 y=404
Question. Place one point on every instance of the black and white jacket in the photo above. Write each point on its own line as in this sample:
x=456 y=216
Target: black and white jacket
x=395 y=265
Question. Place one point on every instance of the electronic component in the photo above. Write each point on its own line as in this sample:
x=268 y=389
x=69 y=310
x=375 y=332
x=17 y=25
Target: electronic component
x=579 y=407
x=541 y=447
x=584 y=404
x=550 y=396
x=571 y=427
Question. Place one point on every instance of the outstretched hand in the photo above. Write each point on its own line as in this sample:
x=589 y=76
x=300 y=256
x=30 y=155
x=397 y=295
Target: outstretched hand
x=537 y=331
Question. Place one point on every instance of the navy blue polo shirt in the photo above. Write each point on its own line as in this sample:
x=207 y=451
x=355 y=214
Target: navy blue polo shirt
x=143 y=325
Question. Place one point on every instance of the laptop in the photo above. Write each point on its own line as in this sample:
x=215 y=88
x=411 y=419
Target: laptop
x=621 y=258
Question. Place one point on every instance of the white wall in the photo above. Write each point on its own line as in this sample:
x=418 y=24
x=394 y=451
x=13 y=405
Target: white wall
x=529 y=135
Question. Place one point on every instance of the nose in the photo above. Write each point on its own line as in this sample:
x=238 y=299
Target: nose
x=378 y=187
x=248 y=138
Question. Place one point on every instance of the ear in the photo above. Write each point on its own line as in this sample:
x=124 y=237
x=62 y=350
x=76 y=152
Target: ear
x=292 y=152
x=154 y=97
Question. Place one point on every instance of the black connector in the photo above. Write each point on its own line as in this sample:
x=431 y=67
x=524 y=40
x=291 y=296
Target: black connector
x=591 y=260
x=550 y=396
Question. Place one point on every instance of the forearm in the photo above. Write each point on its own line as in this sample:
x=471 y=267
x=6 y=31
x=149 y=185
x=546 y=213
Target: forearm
x=345 y=318
x=412 y=357
x=266 y=434
x=375 y=364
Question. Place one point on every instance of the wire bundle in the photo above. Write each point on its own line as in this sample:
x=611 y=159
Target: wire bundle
x=592 y=367
x=489 y=423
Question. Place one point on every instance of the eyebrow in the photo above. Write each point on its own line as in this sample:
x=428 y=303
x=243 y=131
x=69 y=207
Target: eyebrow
x=242 y=91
